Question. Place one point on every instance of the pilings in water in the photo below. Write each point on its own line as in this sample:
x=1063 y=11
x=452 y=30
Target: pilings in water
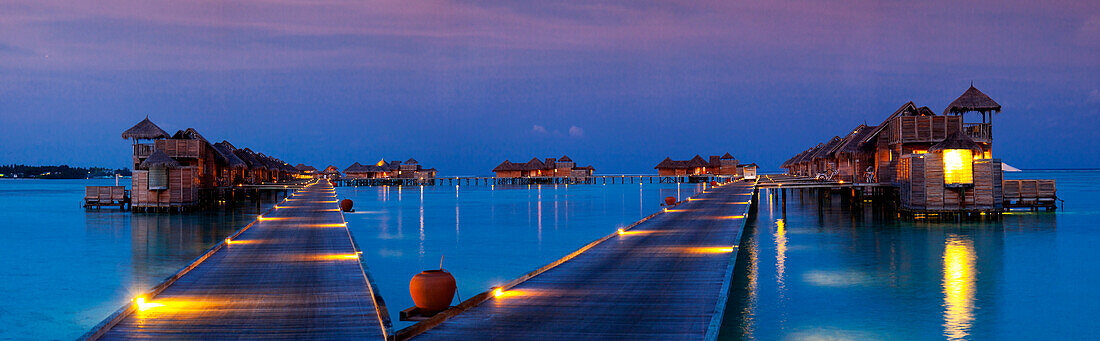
x=221 y=197
x=882 y=200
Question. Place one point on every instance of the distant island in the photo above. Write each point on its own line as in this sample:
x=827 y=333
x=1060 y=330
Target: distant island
x=58 y=172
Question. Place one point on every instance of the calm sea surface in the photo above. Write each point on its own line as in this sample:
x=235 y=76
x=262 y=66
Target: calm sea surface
x=809 y=273
x=826 y=273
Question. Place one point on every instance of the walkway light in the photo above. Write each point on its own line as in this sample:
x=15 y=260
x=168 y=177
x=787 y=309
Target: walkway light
x=142 y=306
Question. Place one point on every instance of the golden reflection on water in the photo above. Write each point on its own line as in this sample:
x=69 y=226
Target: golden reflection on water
x=749 y=312
x=780 y=251
x=958 y=286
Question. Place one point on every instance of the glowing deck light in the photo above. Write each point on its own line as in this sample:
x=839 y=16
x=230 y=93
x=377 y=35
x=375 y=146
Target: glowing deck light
x=729 y=217
x=621 y=232
x=498 y=293
x=142 y=306
x=715 y=249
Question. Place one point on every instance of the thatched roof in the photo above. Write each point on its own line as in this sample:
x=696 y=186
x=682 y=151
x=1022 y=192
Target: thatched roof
x=534 y=164
x=695 y=162
x=226 y=150
x=412 y=161
x=508 y=166
x=331 y=170
x=972 y=100
x=145 y=130
x=809 y=156
x=957 y=140
x=854 y=143
x=727 y=156
x=355 y=167
x=251 y=158
x=823 y=152
x=159 y=159
x=303 y=168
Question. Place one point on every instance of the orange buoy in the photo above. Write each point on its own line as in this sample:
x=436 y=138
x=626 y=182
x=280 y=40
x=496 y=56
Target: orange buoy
x=345 y=205
x=432 y=290
x=669 y=201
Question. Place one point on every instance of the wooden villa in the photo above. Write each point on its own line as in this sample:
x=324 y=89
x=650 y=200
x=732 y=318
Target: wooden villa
x=562 y=167
x=410 y=169
x=331 y=173
x=306 y=171
x=170 y=170
x=938 y=162
x=725 y=165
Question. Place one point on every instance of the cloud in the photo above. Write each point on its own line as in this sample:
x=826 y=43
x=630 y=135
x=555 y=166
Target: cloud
x=576 y=131
x=538 y=129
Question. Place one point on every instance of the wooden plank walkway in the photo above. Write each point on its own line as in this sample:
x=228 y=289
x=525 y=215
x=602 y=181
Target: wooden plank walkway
x=294 y=273
x=666 y=277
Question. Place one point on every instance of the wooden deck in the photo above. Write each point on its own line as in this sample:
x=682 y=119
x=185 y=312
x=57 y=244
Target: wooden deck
x=294 y=273
x=665 y=277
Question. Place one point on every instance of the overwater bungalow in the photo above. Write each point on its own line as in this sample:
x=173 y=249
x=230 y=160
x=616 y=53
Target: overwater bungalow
x=304 y=170
x=410 y=169
x=725 y=165
x=937 y=162
x=170 y=170
x=747 y=171
x=562 y=167
x=331 y=173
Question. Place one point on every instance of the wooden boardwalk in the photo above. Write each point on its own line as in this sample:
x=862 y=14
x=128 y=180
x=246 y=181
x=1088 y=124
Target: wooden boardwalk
x=666 y=277
x=294 y=273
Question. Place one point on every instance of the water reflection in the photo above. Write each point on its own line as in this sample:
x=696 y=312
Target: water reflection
x=508 y=229
x=864 y=272
x=958 y=286
x=160 y=244
x=780 y=251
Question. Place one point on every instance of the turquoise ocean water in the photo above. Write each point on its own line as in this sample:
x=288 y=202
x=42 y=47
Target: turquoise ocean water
x=813 y=272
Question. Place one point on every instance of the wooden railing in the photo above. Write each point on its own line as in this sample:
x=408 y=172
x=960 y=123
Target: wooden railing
x=909 y=129
x=142 y=150
x=178 y=148
x=979 y=132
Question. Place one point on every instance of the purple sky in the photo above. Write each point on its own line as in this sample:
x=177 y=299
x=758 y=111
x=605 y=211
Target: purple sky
x=462 y=85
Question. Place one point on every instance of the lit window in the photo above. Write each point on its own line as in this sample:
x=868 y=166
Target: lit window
x=958 y=166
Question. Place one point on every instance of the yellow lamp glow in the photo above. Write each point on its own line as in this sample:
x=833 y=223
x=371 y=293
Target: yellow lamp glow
x=958 y=166
x=143 y=306
x=498 y=293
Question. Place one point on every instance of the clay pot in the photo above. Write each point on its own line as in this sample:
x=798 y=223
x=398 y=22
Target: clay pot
x=345 y=205
x=669 y=201
x=432 y=290
x=713 y=184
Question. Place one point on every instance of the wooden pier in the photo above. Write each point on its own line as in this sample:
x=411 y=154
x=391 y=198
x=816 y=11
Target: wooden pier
x=665 y=277
x=294 y=273
x=544 y=180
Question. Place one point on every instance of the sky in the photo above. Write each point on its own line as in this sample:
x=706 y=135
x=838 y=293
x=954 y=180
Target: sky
x=464 y=85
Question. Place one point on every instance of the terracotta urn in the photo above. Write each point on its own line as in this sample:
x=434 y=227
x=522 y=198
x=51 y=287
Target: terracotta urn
x=345 y=205
x=432 y=290
x=669 y=201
